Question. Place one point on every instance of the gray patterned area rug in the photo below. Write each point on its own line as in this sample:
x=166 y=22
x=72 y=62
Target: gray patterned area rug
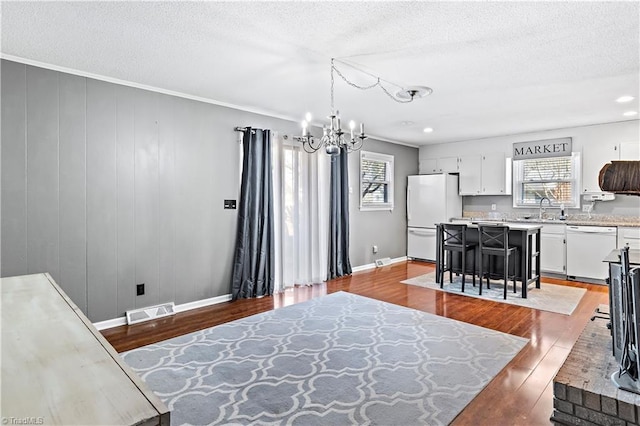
x=560 y=299
x=340 y=359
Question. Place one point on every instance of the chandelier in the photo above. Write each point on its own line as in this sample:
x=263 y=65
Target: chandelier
x=333 y=138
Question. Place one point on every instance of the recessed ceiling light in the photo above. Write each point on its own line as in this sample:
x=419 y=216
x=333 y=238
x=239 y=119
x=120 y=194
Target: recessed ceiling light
x=427 y=130
x=630 y=113
x=407 y=123
x=624 y=99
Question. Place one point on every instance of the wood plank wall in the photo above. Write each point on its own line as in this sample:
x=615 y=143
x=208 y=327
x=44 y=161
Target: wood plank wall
x=105 y=186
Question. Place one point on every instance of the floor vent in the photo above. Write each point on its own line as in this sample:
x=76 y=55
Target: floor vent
x=135 y=316
x=383 y=261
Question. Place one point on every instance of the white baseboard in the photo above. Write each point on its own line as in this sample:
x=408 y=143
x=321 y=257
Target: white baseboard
x=116 y=322
x=202 y=303
x=373 y=265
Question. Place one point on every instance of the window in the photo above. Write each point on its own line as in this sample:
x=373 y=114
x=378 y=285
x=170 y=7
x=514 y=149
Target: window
x=376 y=181
x=557 y=178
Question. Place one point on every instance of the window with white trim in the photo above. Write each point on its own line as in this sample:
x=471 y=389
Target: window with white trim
x=376 y=181
x=556 y=178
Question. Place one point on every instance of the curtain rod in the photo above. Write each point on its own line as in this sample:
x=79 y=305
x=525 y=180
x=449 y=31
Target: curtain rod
x=243 y=129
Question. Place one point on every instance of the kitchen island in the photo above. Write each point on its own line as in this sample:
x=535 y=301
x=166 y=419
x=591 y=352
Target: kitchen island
x=524 y=236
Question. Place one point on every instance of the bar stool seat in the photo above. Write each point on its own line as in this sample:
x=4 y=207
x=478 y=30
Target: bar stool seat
x=494 y=242
x=454 y=240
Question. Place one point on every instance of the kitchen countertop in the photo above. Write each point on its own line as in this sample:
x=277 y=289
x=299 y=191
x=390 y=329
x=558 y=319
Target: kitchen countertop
x=517 y=226
x=624 y=221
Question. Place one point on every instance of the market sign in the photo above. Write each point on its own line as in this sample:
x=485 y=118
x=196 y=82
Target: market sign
x=542 y=149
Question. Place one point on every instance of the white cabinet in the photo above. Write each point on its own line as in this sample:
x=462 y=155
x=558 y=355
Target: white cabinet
x=630 y=151
x=594 y=157
x=496 y=174
x=438 y=165
x=470 y=174
x=487 y=174
x=553 y=251
x=448 y=164
x=428 y=166
x=629 y=237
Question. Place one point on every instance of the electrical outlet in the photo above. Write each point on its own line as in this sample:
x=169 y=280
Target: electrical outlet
x=493 y=207
x=375 y=249
x=586 y=208
x=140 y=289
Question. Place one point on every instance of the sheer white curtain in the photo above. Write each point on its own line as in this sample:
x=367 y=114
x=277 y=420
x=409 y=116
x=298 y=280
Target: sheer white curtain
x=301 y=201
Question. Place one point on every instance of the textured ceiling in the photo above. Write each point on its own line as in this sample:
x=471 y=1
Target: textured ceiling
x=495 y=68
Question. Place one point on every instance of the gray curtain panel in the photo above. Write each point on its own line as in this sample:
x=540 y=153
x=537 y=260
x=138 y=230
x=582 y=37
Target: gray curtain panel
x=339 y=263
x=254 y=263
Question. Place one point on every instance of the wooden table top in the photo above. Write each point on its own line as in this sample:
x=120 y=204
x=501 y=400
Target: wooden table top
x=58 y=369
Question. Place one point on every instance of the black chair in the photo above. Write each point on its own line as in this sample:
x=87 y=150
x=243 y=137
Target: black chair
x=494 y=242
x=454 y=240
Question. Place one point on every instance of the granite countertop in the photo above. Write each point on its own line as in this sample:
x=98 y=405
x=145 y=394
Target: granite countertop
x=521 y=226
x=574 y=220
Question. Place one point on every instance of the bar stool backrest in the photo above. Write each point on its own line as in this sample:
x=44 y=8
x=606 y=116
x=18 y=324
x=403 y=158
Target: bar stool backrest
x=454 y=234
x=493 y=237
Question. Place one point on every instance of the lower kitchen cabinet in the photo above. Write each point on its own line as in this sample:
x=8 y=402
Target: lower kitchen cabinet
x=629 y=237
x=553 y=253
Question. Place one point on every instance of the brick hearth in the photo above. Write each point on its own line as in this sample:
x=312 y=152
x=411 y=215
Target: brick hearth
x=583 y=392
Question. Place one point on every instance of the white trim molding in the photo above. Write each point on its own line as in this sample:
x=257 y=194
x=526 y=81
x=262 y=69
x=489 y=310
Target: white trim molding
x=373 y=265
x=168 y=92
x=116 y=322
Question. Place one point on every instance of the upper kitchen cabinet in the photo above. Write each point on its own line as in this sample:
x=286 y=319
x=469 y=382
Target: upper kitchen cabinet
x=438 y=165
x=595 y=156
x=487 y=174
x=470 y=175
x=630 y=151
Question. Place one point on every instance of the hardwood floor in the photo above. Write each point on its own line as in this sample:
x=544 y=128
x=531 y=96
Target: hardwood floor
x=521 y=394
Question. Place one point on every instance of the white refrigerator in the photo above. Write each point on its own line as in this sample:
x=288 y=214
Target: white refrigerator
x=431 y=199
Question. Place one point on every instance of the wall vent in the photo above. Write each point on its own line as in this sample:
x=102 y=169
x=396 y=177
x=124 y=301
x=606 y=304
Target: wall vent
x=135 y=316
x=383 y=262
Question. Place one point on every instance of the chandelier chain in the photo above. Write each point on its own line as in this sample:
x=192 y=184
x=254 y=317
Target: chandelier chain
x=334 y=140
x=352 y=84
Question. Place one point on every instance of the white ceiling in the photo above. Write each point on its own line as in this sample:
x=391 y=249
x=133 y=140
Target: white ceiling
x=495 y=68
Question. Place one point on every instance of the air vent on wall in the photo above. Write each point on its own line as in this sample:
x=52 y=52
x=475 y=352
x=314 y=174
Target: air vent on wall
x=135 y=316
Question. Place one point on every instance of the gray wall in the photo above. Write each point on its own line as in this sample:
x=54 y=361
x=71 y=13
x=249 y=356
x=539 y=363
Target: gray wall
x=387 y=230
x=105 y=186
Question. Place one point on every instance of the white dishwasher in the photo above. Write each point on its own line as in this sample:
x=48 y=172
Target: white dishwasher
x=587 y=246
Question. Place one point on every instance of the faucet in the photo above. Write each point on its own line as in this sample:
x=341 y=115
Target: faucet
x=540 y=211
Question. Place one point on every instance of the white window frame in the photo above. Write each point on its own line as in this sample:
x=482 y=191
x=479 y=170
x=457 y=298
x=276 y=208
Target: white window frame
x=389 y=181
x=518 y=180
